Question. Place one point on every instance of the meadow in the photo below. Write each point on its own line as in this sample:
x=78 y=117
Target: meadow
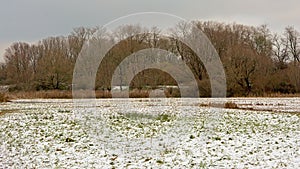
x=150 y=133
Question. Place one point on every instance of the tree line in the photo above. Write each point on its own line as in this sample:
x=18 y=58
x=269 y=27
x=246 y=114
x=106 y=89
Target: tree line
x=256 y=61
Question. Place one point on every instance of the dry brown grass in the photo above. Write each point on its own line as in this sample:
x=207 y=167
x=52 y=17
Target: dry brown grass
x=204 y=104
x=228 y=105
x=276 y=95
x=4 y=97
x=136 y=93
x=103 y=94
x=51 y=94
x=67 y=94
x=231 y=105
x=56 y=94
x=171 y=92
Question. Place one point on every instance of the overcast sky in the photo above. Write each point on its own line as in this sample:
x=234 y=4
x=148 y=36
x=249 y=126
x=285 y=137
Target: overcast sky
x=32 y=20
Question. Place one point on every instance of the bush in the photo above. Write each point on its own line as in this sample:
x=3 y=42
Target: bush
x=285 y=88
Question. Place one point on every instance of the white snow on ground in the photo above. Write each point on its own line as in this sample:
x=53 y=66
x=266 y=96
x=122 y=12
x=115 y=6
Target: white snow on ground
x=150 y=133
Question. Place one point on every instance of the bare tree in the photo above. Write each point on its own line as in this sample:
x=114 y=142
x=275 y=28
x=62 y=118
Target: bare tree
x=131 y=39
x=241 y=68
x=19 y=64
x=262 y=41
x=280 y=51
x=54 y=68
x=292 y=36
x=77 y=39
x=2 y=73
x=187 y=55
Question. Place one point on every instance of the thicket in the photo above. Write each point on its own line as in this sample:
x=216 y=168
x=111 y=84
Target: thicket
x=256 y=61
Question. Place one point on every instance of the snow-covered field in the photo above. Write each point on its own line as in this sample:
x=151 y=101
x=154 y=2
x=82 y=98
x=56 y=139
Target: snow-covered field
x=150 y=133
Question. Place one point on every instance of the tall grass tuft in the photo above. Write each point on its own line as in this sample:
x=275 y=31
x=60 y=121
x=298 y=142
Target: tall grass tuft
x=3 y=97
x=230 y=105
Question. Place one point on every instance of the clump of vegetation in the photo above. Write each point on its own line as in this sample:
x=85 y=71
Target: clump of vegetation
x=68 y=140
x=231 y=105
x=203 y=104
x=159 y=161
x=136 y=93
x=164 y=118
x=137 y=116
x=3 y=97
x=217 y=138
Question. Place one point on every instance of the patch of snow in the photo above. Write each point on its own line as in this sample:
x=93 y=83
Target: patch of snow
x=145 y=133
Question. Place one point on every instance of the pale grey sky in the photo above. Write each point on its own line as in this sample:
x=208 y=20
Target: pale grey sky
x=32 y=20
